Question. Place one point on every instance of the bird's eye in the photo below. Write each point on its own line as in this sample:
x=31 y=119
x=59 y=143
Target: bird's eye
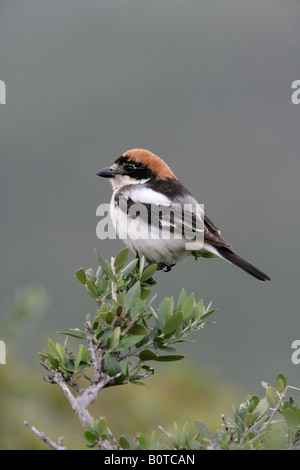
x=129 y=168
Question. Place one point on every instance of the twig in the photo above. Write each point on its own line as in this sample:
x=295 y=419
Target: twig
x=46 y=439
x=269 y=421
x=113 y=289
x=96 y=357
x=274 y=411
x=118 y=447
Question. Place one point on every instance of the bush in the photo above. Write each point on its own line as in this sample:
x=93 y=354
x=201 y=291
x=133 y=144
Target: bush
x=120 y=344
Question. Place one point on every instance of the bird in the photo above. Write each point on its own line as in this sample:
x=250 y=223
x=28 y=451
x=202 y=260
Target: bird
x=144 y=184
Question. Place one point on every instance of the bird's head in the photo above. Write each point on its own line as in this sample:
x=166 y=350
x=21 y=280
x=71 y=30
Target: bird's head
x=137 y=166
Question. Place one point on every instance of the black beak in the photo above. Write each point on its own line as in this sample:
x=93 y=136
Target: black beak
x=107 y=173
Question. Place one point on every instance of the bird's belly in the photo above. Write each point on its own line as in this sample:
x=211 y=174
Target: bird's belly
x=149 y=241
x=166 y=252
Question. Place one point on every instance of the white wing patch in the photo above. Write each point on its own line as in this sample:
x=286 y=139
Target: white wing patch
x=144 y=195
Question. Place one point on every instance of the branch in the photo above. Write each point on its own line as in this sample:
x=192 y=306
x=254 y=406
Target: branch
x=113 y=287
x=273 y=414
x=95 y=353
x=46 y=439
x=81 y=403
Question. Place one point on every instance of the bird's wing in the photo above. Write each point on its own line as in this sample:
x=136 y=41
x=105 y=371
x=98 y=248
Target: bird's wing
x=187 y=220
x=212 y=235
x=179 y=220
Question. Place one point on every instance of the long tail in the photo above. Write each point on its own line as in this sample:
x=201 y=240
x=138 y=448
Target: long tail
x=243 y=264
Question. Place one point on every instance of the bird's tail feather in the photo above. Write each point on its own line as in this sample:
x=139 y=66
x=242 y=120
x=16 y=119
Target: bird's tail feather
x=243 y=264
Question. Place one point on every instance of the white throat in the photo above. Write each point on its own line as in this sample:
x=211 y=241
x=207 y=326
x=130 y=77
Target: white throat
x=124 y=180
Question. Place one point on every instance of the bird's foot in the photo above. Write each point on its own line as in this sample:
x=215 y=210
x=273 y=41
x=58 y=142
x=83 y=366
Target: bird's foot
x=165 y=267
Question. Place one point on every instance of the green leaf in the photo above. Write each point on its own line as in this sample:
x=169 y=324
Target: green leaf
x=290 y=417
x=201 y=307
x=82 y=359
x=100 y=261
x=255 y=401
x=139 y=329
x=100 y=426
x=82 y=366
x=106 y=316
x=272 y=397
x=181 y=299
x=134 y=372
x=121 y=258
x=143 y=441
x=249 y=418
x=81 y=276
x=133 y=293
x=121 y=297
x=119 y=310
x=145 y=293
x=184 y=436
x=281 y=382
x=111 y=364
x=188 y=306
x=128 y=341
x=115 y=337
x=90 y=436
x=161 y=314
x=141 y=266
x=208 y=311
x=61 y=353
x=148 y=272
x=102 y=309
x=209 y=255
x=148 y=355
x=91 y=288
x=137 y=308
x=169 y=307
x=129 y=268
x=87 y=426
x=52 y=346
x=109 y=271
x=76 y=333
x=202 y=429
x=105 y=339
x=90 y=274
x=77 y=360
x=262 y=407
x=172 y=323
x=152 y=440
x=170 y=358
x=125 y=442
x=99 y=272
x=100 y=287
x=53 y=362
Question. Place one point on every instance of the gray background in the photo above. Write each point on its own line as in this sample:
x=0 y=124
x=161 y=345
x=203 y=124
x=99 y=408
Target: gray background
x=204 y=84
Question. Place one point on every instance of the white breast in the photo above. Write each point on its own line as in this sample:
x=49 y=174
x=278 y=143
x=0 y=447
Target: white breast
x=139 y=237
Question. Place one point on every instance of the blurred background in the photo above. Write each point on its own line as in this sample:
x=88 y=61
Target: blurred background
x=206 y=85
